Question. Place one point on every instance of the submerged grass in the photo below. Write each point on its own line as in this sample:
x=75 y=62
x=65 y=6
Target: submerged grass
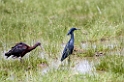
x=47 y=21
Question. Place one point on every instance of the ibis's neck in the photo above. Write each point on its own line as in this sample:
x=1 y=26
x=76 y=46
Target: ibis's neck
x=33 y=47
x=72 y=38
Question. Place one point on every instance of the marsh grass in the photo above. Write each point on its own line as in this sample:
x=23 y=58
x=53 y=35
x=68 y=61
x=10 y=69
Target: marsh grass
x=14 y=70
x=112 y=64
x=48 y=21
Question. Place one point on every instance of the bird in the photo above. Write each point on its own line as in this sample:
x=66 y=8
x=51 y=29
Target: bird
x=20 y=49
x=70 y=45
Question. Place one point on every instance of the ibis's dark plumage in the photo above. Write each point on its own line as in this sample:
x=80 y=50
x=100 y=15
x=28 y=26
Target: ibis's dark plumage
x=69 y=46
x=20 y=49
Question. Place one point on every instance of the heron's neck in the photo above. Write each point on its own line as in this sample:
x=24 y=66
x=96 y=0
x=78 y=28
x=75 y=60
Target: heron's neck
x=72 y=38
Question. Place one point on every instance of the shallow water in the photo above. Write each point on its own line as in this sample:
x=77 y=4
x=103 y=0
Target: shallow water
x=110 y=47
x=81 y=66
x=106 y=44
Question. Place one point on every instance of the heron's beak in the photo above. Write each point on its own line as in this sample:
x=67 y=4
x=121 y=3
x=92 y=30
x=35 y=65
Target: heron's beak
x=78 y=29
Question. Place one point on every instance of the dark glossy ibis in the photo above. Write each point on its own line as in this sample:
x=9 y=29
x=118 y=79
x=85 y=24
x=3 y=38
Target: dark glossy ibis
x=20 y=49
x=70 y=45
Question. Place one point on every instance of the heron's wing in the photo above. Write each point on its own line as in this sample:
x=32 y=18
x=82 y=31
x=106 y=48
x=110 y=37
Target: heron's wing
x=67 y=51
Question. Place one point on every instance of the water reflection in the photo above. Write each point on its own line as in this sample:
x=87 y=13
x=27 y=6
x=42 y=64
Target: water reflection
x=83 y=66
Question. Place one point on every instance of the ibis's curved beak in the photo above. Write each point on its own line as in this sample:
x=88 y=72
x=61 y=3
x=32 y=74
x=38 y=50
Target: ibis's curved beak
x=41 y=47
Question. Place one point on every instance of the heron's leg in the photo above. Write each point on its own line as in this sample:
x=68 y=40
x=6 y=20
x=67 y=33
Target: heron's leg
x=69 y=61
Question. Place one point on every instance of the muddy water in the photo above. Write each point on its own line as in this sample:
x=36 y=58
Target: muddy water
x=85 y=66
x=81 y=66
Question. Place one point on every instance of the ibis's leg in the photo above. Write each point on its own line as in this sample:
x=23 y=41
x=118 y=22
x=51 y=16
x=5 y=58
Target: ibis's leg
x=21 y=59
